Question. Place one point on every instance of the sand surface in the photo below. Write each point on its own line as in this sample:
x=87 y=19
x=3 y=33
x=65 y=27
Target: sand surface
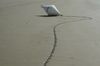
x=27 y=38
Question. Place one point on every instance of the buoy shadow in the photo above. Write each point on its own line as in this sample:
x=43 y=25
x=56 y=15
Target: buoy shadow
x=47 y=15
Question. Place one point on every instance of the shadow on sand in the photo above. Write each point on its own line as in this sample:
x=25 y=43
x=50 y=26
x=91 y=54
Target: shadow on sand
x=47 y=15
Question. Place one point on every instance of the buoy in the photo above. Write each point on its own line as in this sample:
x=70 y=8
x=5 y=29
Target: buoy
x=51 y=10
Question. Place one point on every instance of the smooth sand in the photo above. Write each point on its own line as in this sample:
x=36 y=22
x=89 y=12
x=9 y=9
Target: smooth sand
x=26 y=39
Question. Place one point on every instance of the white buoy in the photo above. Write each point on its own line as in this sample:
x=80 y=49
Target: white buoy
x=51 y=10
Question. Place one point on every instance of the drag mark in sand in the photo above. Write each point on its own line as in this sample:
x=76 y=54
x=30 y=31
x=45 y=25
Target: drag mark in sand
x=55 y=35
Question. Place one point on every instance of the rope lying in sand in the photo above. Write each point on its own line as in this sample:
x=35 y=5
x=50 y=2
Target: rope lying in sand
x=55 y=35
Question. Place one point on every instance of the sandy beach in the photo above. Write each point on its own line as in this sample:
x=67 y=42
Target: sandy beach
x=27 y=38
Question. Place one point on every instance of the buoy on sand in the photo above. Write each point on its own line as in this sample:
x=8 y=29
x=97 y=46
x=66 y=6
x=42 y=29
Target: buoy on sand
x=51 y=10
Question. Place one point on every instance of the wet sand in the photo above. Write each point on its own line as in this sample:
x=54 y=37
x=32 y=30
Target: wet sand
x=27 y=39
